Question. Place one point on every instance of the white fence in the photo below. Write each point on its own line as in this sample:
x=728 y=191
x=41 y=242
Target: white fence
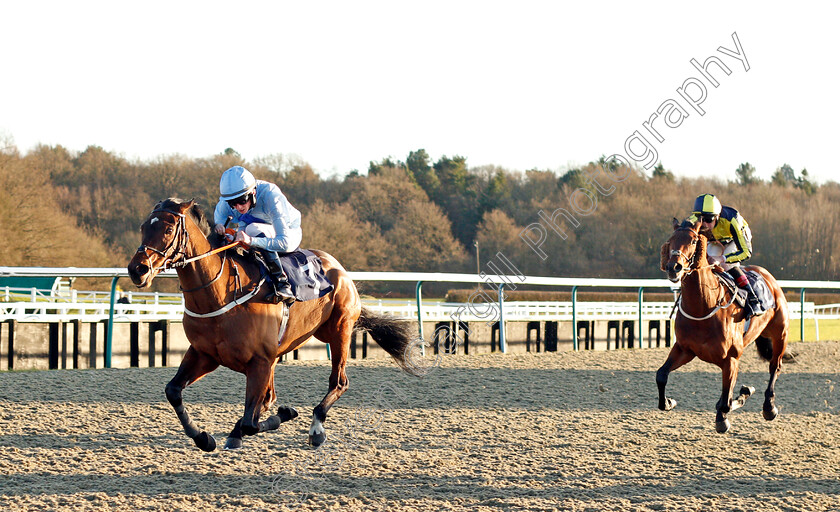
x=77 y=306
x=36 y=306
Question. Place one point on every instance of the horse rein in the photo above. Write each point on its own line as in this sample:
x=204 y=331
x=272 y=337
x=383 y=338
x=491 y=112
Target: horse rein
x=680 y=254
x=182 y=237
x=694 y=266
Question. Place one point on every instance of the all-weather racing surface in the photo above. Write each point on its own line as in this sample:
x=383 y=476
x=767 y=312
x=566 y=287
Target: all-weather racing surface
x=564 y=431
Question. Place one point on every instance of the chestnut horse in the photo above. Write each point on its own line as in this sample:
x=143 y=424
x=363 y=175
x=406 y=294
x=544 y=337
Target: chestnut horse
x=224 y=326
x=710 y=325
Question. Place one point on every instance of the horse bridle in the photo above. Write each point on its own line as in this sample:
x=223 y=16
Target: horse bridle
x=693 y=266
x=690 y=262
x=180 y=239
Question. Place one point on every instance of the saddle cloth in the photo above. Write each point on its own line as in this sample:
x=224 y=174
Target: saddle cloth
x=303 y=268
x=759 y=285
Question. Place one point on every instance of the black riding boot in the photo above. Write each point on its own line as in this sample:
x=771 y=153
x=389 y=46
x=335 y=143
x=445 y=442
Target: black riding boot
x=282 y=288
x=753 y=304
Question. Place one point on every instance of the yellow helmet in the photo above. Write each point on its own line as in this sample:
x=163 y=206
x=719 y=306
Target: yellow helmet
x=707 y=204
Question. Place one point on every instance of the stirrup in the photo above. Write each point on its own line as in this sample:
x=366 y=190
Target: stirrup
x=282 y=292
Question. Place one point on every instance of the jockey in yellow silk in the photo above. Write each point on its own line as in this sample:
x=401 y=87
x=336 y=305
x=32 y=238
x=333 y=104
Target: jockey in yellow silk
x=725 y=225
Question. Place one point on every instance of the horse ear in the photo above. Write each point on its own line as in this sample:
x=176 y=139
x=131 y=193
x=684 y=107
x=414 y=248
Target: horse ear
x=189 y=204
x=664 y=255
x=675 y=223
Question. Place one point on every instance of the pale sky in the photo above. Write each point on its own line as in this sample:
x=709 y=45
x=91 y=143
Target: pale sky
x=522 y=85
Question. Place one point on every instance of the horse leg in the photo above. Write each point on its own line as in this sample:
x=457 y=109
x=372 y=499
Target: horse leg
x=338 y=385
x=270 y=394
x=770 y=411
x=256 y=389
x=194 y=366
x=676 y=358
x=340 y=350
x=729 y=368
x=284 y=413
x=256 y=380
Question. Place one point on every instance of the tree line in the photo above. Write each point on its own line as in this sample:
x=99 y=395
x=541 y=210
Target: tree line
x=65 y=208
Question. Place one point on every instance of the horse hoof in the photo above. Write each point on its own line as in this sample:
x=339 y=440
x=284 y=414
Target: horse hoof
x=286 y=413
x=747 y=390
x=233 y=443
x=722 y=427
x=316 y=440
x=670 y=403
x=205 y=441
x=770 y=414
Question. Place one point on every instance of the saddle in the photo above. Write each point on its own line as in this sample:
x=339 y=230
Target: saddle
x=304 y=271
x=759 y=285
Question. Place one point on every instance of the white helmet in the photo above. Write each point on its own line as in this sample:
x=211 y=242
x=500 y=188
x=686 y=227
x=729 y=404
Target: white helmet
x=236 y=182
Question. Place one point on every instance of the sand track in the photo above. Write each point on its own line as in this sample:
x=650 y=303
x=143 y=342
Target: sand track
x=567 y=431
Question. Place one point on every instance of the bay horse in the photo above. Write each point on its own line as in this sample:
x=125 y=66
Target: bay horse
x=710 y=324
x=225 y=328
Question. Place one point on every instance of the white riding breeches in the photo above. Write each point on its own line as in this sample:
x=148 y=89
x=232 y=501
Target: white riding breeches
x=716 y=252
x=291 y=238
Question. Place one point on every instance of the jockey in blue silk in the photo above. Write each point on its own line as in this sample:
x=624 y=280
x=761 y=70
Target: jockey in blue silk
x=725 y=225
x=264 y=220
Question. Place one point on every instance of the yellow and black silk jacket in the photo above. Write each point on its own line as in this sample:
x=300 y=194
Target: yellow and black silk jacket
x=731 y=227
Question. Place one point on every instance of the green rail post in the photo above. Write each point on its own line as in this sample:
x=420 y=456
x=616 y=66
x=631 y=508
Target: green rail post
x=418 y=293
x=502 y=342
x=802 y=314
x=641 y=292
x=109 y=336
x=574 y=318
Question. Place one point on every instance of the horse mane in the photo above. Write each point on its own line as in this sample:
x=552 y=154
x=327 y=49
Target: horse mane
x=700 y=255
x=198 y=216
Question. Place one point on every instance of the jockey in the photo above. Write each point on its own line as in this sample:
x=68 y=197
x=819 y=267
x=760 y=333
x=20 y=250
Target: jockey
x=265 y=220
x=726 y=225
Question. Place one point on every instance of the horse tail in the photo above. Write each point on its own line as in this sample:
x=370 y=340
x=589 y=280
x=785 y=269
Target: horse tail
x=394 y=336
x=765 y=347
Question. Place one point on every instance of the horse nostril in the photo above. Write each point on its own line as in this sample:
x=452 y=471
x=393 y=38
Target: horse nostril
x=677 y=267
x=137 y=270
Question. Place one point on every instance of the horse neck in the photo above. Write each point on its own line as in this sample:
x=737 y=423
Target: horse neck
x=700 y=289
x=196 y=274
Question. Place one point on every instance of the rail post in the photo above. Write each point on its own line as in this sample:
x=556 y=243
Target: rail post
x=502 y=341
x=419 y=294
x=574 y=318
x=109 y=336
x=802 y=314
x=641 y=339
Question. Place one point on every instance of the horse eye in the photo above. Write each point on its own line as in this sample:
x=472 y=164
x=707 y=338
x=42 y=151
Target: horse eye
x=169 y=230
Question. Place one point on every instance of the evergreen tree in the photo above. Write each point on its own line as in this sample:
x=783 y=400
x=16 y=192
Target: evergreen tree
x=746 y=174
